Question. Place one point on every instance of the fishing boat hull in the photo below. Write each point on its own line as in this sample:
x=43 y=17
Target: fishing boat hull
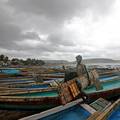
x=39 y=99
x=104 y=94
x=29 y=104
x=13 y=72
x=70 y=111
x=110 y=90
x=31 y=100
x=73 y=110
x=8 y=75
x=4 y=76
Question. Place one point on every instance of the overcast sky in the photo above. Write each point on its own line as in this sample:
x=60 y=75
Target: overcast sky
x=60 y=29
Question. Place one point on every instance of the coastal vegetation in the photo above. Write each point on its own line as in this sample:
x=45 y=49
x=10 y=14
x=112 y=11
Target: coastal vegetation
x=6 y=61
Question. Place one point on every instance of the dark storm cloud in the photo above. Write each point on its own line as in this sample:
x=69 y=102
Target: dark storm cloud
x=59 y=39
x=31 y=35
x=43 y=16
x=8 y=31
x=61 y=9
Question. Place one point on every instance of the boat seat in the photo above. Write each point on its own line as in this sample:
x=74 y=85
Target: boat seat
x=100 y=104
x=111 y=109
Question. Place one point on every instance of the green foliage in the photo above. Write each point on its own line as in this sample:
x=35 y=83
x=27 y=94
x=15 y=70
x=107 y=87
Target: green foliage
x=16 y=61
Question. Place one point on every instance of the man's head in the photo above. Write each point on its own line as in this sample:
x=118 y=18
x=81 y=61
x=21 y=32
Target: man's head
x=79 y=59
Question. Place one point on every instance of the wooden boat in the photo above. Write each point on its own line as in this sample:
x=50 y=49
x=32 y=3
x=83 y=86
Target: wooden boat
x=15 y=79
x=109 y=73
x=28 y=86
x=13 y=72
x=30 y=101
x=111 y=113
x=95 y=88
x=66 y=112
x=73 y=110
x=6 y=91
x=10 y=71
x=18 y=81
x=34 y=86
x=109 y=78
x=25 y=83
x=52 y=75
x=38 y=99
x=110 y=88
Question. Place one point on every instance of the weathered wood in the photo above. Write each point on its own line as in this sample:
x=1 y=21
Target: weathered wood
x=88 y=108
x=94 y=116
x=104 y=115
x=19 y=91
x=103 y=94
x=95 y=80
x=52 y=111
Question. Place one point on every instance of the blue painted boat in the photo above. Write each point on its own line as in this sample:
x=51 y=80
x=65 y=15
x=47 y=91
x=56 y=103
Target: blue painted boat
x=110 y=88
x=23 y=83
x=111 y=113
x=115 y=115
x=109 y=78
x=16 y=80
x=34 y=86
x=69 y=111
x=109 y=74
x=28 y=86
x=31 y=100
x=76 y=112
x=36 y=99
x=72 y=111
x=10 y=71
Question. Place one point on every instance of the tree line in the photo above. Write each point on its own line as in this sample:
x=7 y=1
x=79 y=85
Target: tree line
x=6 y=61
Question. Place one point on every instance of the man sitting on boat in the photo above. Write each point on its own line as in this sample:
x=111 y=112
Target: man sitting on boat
x=82 y=73
x=84 y=78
